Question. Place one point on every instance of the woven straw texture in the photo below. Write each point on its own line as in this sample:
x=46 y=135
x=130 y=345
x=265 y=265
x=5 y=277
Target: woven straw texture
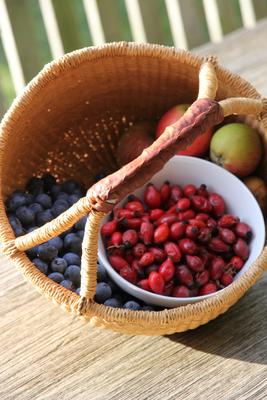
x=68 y=121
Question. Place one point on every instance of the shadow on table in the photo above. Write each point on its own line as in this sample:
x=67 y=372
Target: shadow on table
x=240 y=334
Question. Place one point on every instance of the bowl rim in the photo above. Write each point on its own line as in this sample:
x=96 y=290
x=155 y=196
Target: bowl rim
x=181 y=300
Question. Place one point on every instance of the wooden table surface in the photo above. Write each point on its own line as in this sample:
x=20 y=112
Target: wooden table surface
x=47 y=354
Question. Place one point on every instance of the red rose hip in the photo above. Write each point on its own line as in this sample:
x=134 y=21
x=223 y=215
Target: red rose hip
x=155 y=214
x=217 y=266
x=209 y=288
x=129 y=238
x=187 y=246
x=227 y=235
x=190 y=190
x=228 y=221
x=201 y=278
x=183 y=204
x=226 y=279
x=118 y=262
x=172 y=251
x=195 y=263
x=243 y=231
x=165 y=192
x=181 y=291
x=152 y=196
x=176 y=193
x=116 y=238
x=241 y=249
x=218 y=246
x=156 y=282
x=161 y=233
x=184 y=275
x=217 y=204
x=138 y=250
x=128 y=274
x=109 y=228
x=167 y=270
x=159 y=254
x=146 y=232
x=146 y=259
x=177 y=230
x=135 y=206
x=237 y=262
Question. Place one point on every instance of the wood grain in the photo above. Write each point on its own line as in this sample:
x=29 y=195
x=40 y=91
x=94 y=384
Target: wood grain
x=47 y=354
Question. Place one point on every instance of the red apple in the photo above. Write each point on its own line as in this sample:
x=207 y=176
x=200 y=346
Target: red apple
x=200 y=145
x=134 y=141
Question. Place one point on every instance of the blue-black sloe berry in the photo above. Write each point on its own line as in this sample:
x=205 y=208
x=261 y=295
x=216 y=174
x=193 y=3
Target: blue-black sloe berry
x=44 y=200
x=47 y=252
x=101 y=273
x=41 y=265
x=112 y=302
x=36 y=208
x=70 y=186
x=72 y=259
x=43 y=217
x=73 y=243
x=67 y=284
x=73 y=273
x=58 y=264
x=59 y=207
x=56 y=242
x=56 y=277
x=132 y=305
x=25 y=215
x=103 y=292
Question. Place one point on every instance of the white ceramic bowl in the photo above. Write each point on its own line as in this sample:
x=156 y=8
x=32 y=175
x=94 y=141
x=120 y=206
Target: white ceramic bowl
x=239 y=201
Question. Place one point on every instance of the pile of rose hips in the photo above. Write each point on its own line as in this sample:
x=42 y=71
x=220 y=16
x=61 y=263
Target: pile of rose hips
x=176 y=242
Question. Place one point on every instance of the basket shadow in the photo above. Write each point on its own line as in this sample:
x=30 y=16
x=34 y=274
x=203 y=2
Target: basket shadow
x=238 y=334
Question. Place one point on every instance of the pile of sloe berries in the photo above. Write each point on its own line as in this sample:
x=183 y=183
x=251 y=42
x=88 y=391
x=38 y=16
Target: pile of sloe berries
x=60 y=258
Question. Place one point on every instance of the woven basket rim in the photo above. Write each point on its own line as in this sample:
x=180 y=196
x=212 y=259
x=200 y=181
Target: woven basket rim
x=166 y=321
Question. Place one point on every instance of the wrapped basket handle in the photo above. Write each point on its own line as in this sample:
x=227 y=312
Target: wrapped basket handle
x=203 y=114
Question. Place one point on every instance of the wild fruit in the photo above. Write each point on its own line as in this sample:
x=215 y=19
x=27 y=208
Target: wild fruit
x=199 y=146
x=236 y=147
x=134 y=141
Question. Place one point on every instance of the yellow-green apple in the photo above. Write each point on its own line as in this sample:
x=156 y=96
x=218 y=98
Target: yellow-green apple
x=236 y=147
x=200 y=145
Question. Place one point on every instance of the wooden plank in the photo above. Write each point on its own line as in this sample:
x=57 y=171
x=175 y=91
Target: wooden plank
x=156 y=21
x=136 y=20
x=176 y=22
x=72 y=24
x=213 y=20
x=94 y=21
x=114 y=19
x=247 y=13
x=51 y=28
x=30 y=35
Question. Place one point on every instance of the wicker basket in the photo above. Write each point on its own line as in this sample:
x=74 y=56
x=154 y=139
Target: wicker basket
x=68 y=121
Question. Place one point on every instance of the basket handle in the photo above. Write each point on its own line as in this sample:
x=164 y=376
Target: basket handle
x=203 y=114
